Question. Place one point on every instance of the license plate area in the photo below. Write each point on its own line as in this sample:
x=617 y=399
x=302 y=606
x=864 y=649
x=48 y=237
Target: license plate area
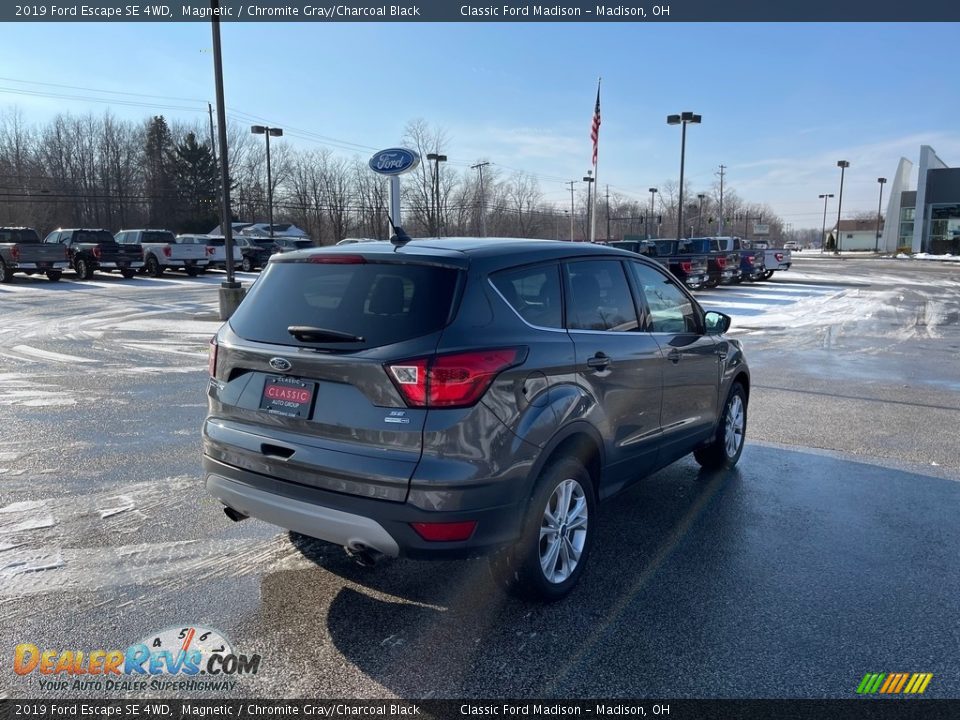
x=288 y=396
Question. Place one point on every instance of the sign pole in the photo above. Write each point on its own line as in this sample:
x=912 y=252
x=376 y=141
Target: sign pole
x=394 y=202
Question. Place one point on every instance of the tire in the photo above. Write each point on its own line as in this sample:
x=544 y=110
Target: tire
x=82 y=267
x=192 y=271
x=727 y=445
x=54 y=275
x=247 y=265
x=712 y=283
x=128 y=274
x=536 y=568
x=768 y=274
x=154 y=268
x=6 y=274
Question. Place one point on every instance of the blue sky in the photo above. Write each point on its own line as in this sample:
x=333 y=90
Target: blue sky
x=780 y=103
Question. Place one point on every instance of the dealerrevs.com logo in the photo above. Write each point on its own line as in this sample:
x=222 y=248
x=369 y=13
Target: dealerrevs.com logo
x=183 y=658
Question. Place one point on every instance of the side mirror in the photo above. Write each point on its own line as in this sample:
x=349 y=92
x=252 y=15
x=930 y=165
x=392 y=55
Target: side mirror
x=717 y=323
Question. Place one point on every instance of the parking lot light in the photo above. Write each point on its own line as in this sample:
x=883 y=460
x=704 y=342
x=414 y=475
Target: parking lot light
x=823 y=232
x=267 y=132
x=683 y=119
x=843 y=165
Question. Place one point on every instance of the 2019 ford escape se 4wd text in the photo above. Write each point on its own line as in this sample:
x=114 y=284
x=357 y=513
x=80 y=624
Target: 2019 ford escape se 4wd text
x=447 y=398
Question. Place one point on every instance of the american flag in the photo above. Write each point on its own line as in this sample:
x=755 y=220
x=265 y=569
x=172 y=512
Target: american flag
x=595 y=127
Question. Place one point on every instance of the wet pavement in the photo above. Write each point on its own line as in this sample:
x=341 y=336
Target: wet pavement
x=830 y=552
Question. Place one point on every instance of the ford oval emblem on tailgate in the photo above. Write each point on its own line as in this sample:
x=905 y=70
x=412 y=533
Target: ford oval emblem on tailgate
x=281 y=364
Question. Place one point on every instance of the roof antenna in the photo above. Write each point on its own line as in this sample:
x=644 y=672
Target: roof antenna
x=399 y=237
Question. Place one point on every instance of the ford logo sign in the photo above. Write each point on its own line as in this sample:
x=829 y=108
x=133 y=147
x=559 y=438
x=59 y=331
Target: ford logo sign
x=281 y=364
x=394 y=161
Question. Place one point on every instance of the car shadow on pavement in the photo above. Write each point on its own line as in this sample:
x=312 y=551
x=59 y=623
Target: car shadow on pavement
x=697 y=586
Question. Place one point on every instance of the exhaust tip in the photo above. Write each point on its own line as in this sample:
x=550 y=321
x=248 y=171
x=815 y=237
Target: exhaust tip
x=362 y=555
x=234 y=515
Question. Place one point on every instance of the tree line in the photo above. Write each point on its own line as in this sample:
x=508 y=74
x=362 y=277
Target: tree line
x=100 y=171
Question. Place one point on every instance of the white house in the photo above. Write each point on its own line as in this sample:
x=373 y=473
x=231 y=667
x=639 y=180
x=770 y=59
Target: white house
x=855 y=235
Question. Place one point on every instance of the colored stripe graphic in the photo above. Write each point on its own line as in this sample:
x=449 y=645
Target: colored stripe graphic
x=894 y=683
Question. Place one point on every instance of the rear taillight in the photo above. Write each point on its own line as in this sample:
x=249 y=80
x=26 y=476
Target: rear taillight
x=686 y=266
x=445 y=532
x=97 y=252
x=457 y=380
x=212 y=359
x=721 y=262
x=749 y=259
x=209 y=250
x=15 y=253
x=778 y=256
x=166 y=251
x=338 y=259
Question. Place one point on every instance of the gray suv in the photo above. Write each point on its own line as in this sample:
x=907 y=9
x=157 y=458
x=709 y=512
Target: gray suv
x=454 y=397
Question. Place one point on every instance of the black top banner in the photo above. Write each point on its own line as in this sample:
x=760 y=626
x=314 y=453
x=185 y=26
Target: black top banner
x=455 y=11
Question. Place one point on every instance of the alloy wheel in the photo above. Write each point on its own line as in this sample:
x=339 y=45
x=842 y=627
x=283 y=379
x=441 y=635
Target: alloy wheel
x=563 y=531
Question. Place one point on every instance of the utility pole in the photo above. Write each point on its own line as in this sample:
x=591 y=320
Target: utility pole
x=571 y=184
x=722 y=173
x=483 y=206
x=608 y=213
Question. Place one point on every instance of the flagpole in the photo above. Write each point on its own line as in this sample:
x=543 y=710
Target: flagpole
x=593 y=202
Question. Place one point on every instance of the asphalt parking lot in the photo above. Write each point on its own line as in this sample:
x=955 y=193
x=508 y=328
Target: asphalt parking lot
x=830 y=552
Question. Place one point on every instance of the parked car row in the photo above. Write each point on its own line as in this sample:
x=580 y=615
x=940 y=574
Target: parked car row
x=88 y=250
x=711 y=261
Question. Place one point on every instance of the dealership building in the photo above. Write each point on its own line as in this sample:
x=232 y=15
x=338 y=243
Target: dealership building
x=925 y=218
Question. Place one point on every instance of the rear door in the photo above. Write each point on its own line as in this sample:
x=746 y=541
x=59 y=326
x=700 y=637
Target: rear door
x=617 y=363
x=690 y=361
x=318 y=409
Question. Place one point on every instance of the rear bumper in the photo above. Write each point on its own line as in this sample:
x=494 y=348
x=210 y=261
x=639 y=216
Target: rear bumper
x=122 y=264
x=185 y=263
x=695 y=280
x=355 y=521
x=63 y=265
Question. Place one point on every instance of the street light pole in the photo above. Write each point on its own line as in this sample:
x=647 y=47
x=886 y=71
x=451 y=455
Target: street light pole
x=683 y=119
x=437 y=159
x=843 y=165
x=881 y=181
x=571 y=183
x=823 y=232
x=267 y=132
x=700 y=196
x=653 y=192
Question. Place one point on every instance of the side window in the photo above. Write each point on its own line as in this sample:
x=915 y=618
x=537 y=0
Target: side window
x=121 y=238
x=534 y=292
x=671 y=311
x=599 y=297
x=52 y=237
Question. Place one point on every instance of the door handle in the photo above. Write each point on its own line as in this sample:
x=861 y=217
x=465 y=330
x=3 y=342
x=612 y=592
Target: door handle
x=674 y=356
x=600 y=361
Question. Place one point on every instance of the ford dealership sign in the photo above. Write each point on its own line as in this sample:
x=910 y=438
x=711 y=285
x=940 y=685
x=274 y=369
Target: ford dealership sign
x=394 y=161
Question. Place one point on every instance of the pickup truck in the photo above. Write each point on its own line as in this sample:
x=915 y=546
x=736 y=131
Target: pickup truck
x=689 y=269
x=216 y=249
x=22 y=251
x=161 y=251
x=773 y=258
x=753 y=265
x=90 y=250
x=723 y=267
x=255 y=251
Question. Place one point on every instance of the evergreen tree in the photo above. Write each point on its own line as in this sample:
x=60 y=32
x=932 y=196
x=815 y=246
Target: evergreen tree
x=159 y=174
x=196 y=180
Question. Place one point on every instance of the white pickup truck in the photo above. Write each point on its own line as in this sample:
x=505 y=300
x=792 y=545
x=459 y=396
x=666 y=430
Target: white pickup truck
x=161 y=251
x=216 y=248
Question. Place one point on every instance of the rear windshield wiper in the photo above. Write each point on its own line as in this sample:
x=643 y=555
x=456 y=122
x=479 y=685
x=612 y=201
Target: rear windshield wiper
x=316 y=334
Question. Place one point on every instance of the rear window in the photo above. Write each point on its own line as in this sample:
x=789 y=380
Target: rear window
x=20 y=235
x=383 y=303
x=157 y=237
x=92 y=236
x=216 y=242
